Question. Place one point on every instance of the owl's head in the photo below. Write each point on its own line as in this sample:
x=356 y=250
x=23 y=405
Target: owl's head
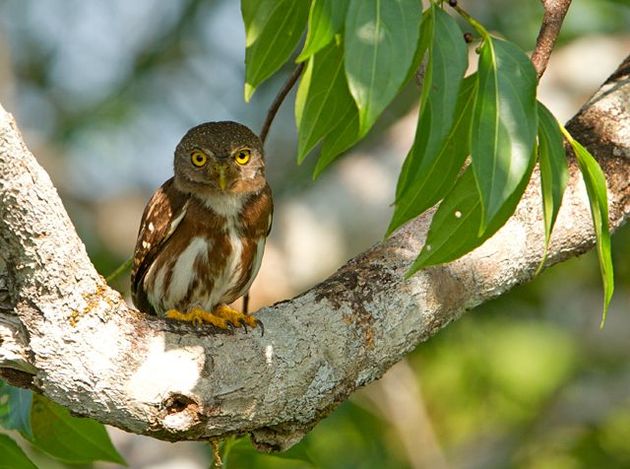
x=219 y=157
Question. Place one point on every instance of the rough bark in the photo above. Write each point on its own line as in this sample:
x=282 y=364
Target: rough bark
x=66 y=334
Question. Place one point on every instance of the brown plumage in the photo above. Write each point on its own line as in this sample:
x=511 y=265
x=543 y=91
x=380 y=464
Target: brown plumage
x=203 y=233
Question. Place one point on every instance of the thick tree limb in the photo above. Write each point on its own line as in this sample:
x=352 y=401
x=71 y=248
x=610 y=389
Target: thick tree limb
x=66 y=334
x=555 y=11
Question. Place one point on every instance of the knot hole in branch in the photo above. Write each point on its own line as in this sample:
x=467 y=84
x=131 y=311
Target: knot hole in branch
x=180 y=413
x=177 y=403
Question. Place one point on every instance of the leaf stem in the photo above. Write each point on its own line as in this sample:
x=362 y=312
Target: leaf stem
x=472 y=21
x=566 y=134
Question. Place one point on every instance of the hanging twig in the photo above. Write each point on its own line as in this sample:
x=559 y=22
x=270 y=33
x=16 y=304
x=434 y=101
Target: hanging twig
x=273 y=109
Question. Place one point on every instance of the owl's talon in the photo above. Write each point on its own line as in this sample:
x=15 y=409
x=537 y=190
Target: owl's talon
x=198 y=317
x=262 y=327
x=222 y=317
x=236 y=318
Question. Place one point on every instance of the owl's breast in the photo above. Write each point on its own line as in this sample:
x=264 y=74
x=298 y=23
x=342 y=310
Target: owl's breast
x=202 y=265
x=240 y=257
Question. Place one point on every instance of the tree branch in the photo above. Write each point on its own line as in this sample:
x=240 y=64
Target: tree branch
x=555 y=11
x=65 y=333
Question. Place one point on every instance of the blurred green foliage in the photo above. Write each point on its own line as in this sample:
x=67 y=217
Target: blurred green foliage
x=351 y=437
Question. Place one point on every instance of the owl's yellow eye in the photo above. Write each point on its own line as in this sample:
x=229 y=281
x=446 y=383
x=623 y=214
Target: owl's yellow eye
x=242 y=156
x=198 y=158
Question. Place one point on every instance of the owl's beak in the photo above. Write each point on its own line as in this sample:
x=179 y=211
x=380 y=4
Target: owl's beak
x=221 y=169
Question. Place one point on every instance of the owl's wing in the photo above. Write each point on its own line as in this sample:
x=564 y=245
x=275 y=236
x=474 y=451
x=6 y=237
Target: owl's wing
x=164 y=211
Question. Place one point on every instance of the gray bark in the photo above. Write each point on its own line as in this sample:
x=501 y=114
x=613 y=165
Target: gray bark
x=66 y=334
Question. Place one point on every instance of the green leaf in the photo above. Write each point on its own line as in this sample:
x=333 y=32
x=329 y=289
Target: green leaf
x=443 y=133
x=322 y=98
x=346 y=133
x=454 y=229
x=426 y=34
x=504 y=123
x=432 y=181
x=339 y=139
x=228 y=444
x=15 y=408
x=426 y=41
x=273 y=29
x=553 y=169
x=70 y=439
x=595 y=182
x=325 y=19
x=12 y=456
x=381 y=38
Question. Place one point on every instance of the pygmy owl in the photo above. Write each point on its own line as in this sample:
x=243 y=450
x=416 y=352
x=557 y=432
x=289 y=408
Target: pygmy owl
x=203 y=232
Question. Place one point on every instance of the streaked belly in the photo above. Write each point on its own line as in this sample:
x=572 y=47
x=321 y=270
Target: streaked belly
x=208 y=271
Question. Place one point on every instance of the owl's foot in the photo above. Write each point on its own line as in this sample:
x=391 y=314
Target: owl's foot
x=198 y=316
x=222 y=317
x=237 y=319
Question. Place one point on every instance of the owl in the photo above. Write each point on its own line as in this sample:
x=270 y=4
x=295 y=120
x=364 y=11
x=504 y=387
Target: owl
x=203 y=232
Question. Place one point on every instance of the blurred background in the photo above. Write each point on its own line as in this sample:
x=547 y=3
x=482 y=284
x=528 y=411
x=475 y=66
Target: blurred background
x=103 y=91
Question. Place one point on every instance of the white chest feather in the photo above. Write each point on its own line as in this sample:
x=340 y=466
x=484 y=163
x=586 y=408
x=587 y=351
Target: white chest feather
x=226 y=205
x=165 y=295
x=184 y=268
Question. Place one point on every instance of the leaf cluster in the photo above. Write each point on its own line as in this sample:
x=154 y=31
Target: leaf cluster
x=478 y=137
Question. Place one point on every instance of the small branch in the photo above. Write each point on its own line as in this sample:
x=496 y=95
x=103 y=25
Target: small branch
x=217 y=462
x=273 y=109
x=555 y=11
